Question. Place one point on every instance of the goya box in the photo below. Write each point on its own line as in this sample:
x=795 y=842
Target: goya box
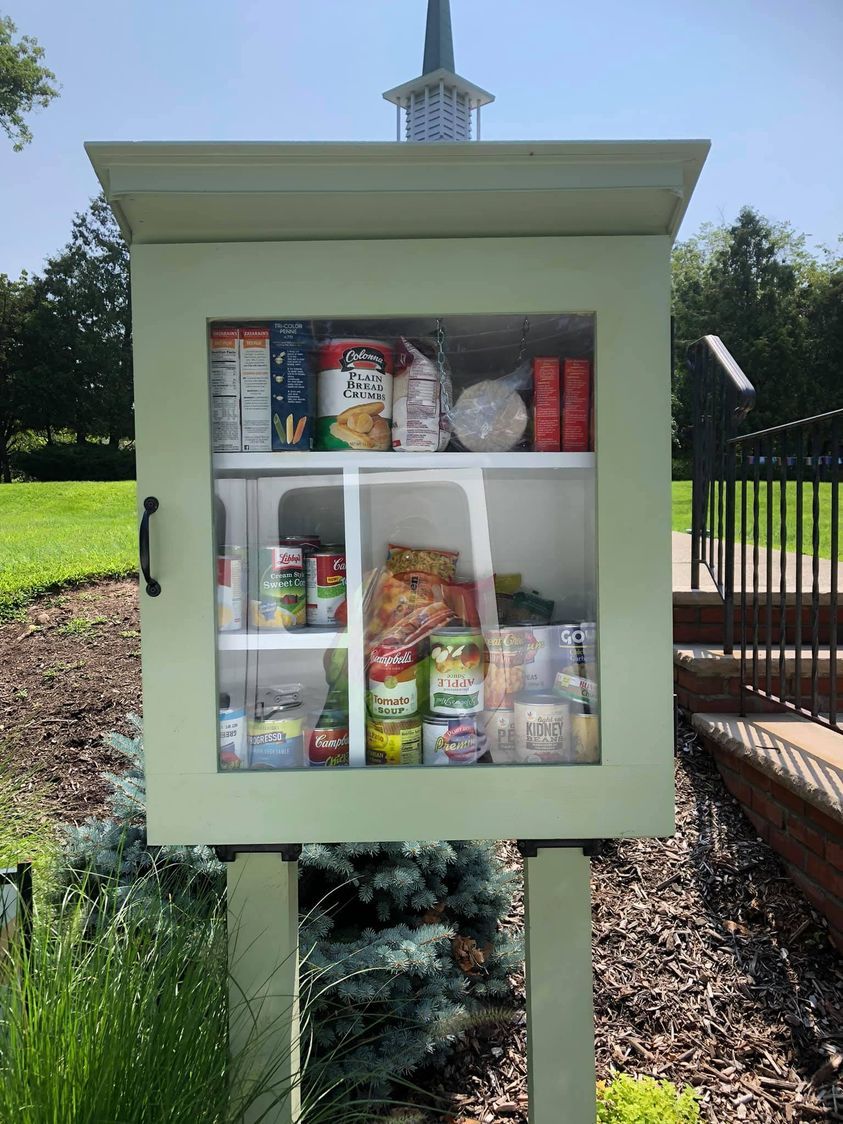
x=292 y=384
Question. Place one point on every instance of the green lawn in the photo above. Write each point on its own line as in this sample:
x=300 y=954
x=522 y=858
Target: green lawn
x=63 y=532
x=682 y=514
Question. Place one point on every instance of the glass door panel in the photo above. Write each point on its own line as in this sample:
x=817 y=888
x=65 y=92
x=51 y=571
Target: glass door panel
x=405 y=541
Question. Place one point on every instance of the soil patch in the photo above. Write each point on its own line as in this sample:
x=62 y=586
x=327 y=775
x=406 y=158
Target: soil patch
x=710 y=967
x=69 y=675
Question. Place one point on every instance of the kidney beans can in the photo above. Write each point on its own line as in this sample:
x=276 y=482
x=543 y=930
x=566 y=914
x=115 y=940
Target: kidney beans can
x=328 y=742
x=280 y=584
x=354 y=395
x=396 y=681
x=456 y=671
x=542 y=728
x=229 y=593
x=393 y=741
x=325 y=571
x=452 y=741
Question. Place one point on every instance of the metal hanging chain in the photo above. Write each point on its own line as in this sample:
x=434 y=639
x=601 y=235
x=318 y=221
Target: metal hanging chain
x=522 y=349
x=439 y=336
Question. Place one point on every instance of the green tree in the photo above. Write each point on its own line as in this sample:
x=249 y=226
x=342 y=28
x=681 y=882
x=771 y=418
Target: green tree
x=78 y=338
x=25 y=83
x=17 y=298
x=772 y=302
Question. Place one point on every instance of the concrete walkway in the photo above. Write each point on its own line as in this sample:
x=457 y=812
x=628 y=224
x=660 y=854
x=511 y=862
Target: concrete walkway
x=682 y=572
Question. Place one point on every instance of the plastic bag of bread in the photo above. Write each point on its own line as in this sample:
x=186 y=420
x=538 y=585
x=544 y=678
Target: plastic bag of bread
x=421 y=399
x=492 y=416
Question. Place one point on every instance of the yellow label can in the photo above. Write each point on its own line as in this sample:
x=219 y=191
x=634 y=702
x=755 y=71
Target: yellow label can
x=394 y=741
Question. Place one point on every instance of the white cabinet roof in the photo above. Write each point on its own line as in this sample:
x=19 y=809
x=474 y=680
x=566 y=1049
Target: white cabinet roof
x=243 y=192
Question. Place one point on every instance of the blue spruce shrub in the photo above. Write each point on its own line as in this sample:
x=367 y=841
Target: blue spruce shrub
x=403 y=939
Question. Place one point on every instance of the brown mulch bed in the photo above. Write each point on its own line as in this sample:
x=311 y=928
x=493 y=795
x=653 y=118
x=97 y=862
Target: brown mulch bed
x=710 y=967
x=69 y=674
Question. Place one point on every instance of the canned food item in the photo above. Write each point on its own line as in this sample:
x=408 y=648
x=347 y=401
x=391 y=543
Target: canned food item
x=585 y=736
x=309 y=543
x=542 y=728
x=456 y=671
x=276 y=730
x=232 y=734
x=452 y=741
x=229 y=593
x=499 y=728
x=325 y=571
x=576 y=649
x=329 y=740
x=280 y=585
x=540 y=642
x=576 y=689
x=396 y=678
x=393 y=741
x=354 y=395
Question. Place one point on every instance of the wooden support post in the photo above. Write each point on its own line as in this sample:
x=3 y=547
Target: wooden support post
x=560 y=1005
x=263 y=986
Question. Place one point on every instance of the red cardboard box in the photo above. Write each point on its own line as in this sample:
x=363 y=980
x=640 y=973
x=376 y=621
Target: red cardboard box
x=576 y=405
x=547 y=421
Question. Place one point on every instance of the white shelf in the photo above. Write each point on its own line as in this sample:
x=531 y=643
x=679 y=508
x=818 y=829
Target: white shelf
x=267 y=463
x=312 y=639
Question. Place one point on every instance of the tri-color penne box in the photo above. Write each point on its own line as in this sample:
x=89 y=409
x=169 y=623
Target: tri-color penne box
x=291 y=384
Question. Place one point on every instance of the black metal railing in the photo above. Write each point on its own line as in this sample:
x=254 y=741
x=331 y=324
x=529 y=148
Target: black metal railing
x=788 y=525
x=722 y=397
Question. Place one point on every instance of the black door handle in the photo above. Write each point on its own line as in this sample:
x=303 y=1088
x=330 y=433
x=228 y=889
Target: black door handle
x=150 y=505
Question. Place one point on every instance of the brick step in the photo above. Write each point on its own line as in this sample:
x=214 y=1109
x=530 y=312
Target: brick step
x=787 y=773
x=698 y=618
x=705 y=679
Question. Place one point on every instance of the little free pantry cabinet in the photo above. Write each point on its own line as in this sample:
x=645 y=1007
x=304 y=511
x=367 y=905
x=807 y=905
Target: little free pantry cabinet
x=468 y=266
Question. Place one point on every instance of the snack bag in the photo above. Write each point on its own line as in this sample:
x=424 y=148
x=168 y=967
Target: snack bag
x=421 y=399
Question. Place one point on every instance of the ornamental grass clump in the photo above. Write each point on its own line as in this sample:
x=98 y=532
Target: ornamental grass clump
x=643 y=1100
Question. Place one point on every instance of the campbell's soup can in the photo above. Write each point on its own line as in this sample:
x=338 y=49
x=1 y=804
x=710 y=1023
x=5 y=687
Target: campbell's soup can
x=280 y=586
x=452 y=741
x=542 y=728
x=325 y=575
x=354 y=395
x=329 y=740
x=456 y=671
x=396 y=681
x=229 y=593
x=394 y=741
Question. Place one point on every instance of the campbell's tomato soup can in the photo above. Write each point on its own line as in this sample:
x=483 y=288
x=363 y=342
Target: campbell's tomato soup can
x=328 y=741
x=397 y=682
x=326 y=592
x=452 y=741
x=354 y=395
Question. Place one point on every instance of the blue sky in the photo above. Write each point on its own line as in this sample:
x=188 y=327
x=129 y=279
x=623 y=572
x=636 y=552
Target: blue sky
x=761 y=78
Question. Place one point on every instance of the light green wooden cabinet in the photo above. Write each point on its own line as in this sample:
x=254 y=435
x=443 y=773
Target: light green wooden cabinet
x=400 y=237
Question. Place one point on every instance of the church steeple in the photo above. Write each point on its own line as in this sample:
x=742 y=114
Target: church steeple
x=439 y=38
x=439 y=105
